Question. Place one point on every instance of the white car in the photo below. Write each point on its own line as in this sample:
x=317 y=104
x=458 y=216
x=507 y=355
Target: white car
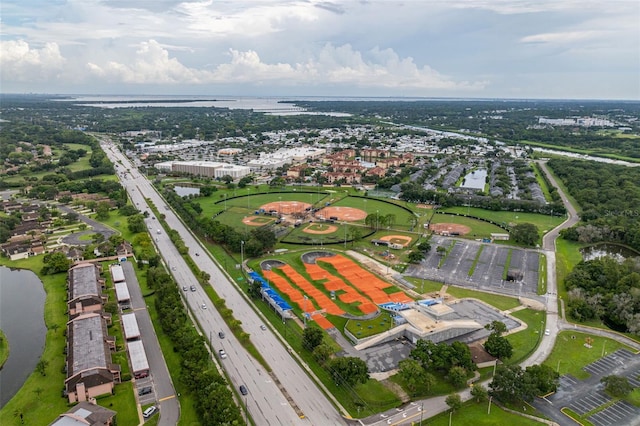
x=547 y=332
x=149 y=412
x=222 y=353
x=204 y=306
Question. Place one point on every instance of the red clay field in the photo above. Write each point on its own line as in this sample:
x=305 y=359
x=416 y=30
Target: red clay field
x=354 y=285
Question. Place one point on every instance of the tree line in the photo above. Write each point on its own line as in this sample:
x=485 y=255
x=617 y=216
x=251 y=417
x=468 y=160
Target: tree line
x=607 y=290
x=214 y=402
x=609 y=197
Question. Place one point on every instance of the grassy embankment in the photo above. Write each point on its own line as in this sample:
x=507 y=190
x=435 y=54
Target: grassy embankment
x=4 y=349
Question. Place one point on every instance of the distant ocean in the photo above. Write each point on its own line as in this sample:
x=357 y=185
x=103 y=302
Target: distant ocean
x=269 y=105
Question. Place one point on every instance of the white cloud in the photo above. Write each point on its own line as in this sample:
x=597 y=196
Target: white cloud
x=333 y=65
x=567 y=37
x=21 y=62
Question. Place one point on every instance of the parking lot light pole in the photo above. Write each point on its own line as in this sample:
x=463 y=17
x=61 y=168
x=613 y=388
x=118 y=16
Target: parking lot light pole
x=241 y=254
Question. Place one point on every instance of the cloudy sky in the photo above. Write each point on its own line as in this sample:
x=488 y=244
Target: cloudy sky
x=432 y=48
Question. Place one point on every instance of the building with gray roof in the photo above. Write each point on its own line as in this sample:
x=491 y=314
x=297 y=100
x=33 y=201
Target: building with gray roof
x=138 y=357
x=86 y=414
x=85 y=289
x=90 y=371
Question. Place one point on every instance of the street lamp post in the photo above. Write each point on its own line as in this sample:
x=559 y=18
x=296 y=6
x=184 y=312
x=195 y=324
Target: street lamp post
x=304 y=314
x=248 y=196
x=241 y=254
x=377 y=220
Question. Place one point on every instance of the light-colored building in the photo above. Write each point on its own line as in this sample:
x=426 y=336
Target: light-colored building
x=229 y=151
x=138 y=357
x=204 y=168
x=130 y=327
x=236 y=172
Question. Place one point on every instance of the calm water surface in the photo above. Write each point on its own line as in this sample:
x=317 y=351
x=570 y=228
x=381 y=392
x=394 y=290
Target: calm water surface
x=22 y=299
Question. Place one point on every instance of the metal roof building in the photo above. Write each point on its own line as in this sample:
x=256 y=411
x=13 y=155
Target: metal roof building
x=117 y=274
x=122 y=292
x=130 y=327
x=138 y=357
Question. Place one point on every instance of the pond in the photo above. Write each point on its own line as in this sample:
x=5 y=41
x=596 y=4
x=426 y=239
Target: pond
x=22 y=298
x=619 y=253
x=184 y=191
x=475 y=180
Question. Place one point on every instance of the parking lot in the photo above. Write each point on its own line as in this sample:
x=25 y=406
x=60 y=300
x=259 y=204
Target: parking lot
x=147 y=398
x=585 y=396
x=489 y=270
x=620 y=413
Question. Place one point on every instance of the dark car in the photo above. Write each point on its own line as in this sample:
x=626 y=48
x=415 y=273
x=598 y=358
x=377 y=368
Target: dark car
x=243 y=390
x=145 y=390
x=221 y=335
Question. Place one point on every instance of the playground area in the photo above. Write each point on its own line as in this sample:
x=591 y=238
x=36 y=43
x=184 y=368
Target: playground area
x=350 y=289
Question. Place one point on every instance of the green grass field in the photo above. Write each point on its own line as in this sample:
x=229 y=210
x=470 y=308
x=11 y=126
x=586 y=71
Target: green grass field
x=475 y=414
x=39 y=399
x=542 y=222
x=567 y=257
x=526 y=341
x=4 y=348
x=371 y=327
x=569 y=354
x=501 y=302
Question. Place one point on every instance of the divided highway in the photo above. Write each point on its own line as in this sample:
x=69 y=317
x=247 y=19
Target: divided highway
x=268 y=402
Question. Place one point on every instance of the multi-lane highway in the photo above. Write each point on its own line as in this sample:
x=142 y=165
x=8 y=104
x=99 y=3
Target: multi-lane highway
x=288 y=395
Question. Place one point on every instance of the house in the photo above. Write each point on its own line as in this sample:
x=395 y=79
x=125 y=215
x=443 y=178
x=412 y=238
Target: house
x=124 y=249
x=17 y=250
x=86 y=414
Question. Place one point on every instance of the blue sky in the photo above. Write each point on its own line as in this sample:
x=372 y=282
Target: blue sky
x=454 y=48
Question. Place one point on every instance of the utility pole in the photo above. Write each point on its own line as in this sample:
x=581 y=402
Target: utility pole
x=241 y=254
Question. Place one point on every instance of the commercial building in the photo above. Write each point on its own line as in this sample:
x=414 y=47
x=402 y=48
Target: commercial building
x=204 y=168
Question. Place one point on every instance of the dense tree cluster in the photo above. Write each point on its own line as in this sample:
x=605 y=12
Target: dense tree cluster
x=511 y=383
x=525 y=233
x=213 y=400
x=453 y=360
x=605 y=289
x=609 y=197
x=496 y=344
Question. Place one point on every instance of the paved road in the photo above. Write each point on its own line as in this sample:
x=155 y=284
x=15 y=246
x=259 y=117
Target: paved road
x=549 y=249
x=162 y=385
x=282 y=397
